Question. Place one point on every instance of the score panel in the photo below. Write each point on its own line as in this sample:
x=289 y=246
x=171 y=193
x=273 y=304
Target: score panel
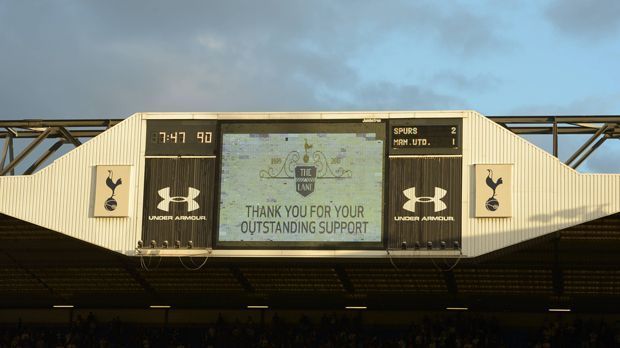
x=426 y=137
x=180 y=137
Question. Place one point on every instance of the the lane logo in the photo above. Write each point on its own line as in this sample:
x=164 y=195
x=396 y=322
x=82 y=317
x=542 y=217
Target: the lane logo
x=315 y=166
x=439 y=205
x=190 y=199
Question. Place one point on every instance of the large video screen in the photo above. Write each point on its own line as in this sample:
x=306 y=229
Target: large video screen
x=301 y=184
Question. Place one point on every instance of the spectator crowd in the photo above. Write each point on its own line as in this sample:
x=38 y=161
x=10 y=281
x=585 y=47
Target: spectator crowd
x=450 y=331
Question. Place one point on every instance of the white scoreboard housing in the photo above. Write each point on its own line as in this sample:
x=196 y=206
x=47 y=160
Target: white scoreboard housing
x=202 y=174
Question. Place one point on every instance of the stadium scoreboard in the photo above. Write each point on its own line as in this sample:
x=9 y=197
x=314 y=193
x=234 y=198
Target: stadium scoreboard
x=300 y=183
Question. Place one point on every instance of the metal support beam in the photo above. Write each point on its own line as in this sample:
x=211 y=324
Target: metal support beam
x=70 y=138
x=558 y=273
x=589 y=152
x=44 y=156
x=80 y=133
x=33 y=275
x=549 y=130
x=559 y=119
x=60 y=123
x=450 y=282
x=11 y=155
x=135 y=274
x=5 y=151
x=586 y=144
x=14 y=162
x=555 y=137
x=241 y=278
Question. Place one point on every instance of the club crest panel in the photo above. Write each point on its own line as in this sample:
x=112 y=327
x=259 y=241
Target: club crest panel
x=493 y=190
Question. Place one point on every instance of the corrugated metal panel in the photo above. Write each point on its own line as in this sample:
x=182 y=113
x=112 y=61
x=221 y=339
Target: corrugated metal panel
x=59 y=196
x=547 y=195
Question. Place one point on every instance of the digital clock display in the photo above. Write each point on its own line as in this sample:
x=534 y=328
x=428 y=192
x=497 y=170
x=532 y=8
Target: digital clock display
x=426 y=137
x=181 y=137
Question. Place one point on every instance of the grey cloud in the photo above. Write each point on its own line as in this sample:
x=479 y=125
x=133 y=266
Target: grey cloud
x=470 y=33
x=477 y=83
x=113 y=58
x=337 y=26
x=389 y=96
x=589 y=105
x=587 y=20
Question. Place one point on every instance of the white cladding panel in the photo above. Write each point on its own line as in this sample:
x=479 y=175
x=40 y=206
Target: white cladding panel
x=59 y=196
x=547 y=195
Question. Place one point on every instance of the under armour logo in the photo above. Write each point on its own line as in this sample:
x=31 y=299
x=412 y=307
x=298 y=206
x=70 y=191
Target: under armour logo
x=413 y=199
x=165 y=195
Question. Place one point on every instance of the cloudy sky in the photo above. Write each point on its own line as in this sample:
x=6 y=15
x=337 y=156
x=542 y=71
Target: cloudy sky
x=87 y=59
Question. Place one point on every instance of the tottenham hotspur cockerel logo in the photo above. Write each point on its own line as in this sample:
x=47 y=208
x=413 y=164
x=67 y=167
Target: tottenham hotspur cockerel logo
x=111 y=203
x=492 y=203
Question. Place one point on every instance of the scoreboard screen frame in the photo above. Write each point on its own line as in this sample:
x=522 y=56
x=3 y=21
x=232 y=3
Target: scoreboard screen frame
x=310 y=127
x=426 y=150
